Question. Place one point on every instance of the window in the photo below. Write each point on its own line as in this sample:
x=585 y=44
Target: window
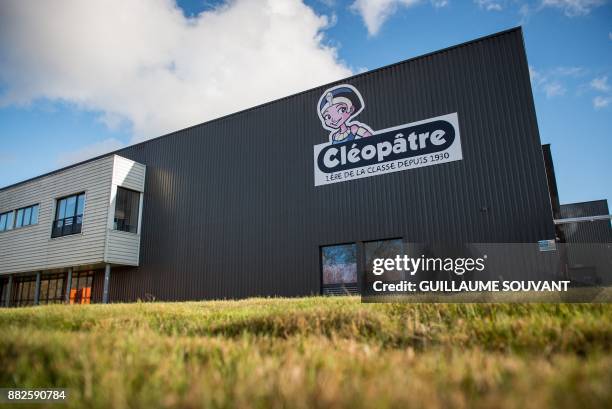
x=23 y=294
x=6 y=220
x=384 y=249
x=26 y=216
x=52 y=288
x=339 y=268
x=68 y=215
x=80 y=289
x=126 y=210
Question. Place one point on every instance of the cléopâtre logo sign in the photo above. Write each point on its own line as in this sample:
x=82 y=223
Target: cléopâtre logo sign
x=355 y=151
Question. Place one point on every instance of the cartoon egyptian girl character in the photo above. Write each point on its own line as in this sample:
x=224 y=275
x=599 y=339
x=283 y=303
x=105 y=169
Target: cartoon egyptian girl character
x=337 y=107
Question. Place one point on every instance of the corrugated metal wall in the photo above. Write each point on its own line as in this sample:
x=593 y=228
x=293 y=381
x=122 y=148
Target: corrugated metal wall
x=231 y=209
x=584 y=209
x=551 y=178
x=586 y=232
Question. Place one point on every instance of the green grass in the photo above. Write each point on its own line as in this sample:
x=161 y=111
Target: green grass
x=313 y=353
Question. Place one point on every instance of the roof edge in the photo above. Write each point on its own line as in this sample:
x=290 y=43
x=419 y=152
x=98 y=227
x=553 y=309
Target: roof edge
x=585 y=202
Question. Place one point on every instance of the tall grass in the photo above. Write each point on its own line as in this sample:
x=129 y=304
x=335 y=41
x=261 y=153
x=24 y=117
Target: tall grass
x=313 y=352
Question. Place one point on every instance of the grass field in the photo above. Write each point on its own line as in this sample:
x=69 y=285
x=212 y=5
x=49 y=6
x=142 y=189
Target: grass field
x=313 y=353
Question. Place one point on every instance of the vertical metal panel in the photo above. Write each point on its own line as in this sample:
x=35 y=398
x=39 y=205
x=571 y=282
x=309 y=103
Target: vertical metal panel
x=97 y=286
x=68 y=286
x=37 y=289
x=552 y=181
x=8 y=291
x=107 y=272
x=231 y=209
x=583 y=209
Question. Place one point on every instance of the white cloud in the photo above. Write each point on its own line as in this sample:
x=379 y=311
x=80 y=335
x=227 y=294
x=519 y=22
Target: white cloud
x=90 y=151
x=573 y=8
x=524 y=10
x=439 y=3
x=600 y=84
x=537 y=78
x=489 y=5
x=551 y=81
x=569 y=71
x=554 y=89
x=600 y=102
x=610 y=35
x=375 y=12
x=143 y=62
x=525 y=13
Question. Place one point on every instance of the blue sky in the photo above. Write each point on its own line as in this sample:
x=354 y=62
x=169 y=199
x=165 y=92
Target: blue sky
x=63 y=98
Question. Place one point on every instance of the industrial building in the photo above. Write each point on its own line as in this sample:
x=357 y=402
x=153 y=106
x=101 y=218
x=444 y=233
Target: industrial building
x=284 y=199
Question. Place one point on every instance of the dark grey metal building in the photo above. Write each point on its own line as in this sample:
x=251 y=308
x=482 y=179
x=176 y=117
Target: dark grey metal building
x=230 y=208
x=593 y=231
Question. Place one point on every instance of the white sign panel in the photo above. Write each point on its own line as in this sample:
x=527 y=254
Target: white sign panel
x=355 y=151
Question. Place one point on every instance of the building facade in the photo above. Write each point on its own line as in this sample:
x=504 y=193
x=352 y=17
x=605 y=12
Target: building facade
x=60 y=230
x=287 y=198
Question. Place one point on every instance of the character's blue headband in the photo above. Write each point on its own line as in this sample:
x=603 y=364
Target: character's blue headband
x=342 y=94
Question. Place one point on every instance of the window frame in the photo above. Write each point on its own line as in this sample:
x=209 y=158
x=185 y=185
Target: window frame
x=80 y=281
x=23 y=291
x=138 y=208
x=324 y=286
x=74 y=217
x=23 y=212
x=7 y=213
x=365 y=252
x=46 y=296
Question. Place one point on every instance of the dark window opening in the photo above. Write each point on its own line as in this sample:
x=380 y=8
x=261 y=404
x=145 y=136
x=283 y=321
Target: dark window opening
x=126 y=210
x=339 y=269
x=23 y=291
x=52 y=288
x=68 y=215
x=384 y=249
